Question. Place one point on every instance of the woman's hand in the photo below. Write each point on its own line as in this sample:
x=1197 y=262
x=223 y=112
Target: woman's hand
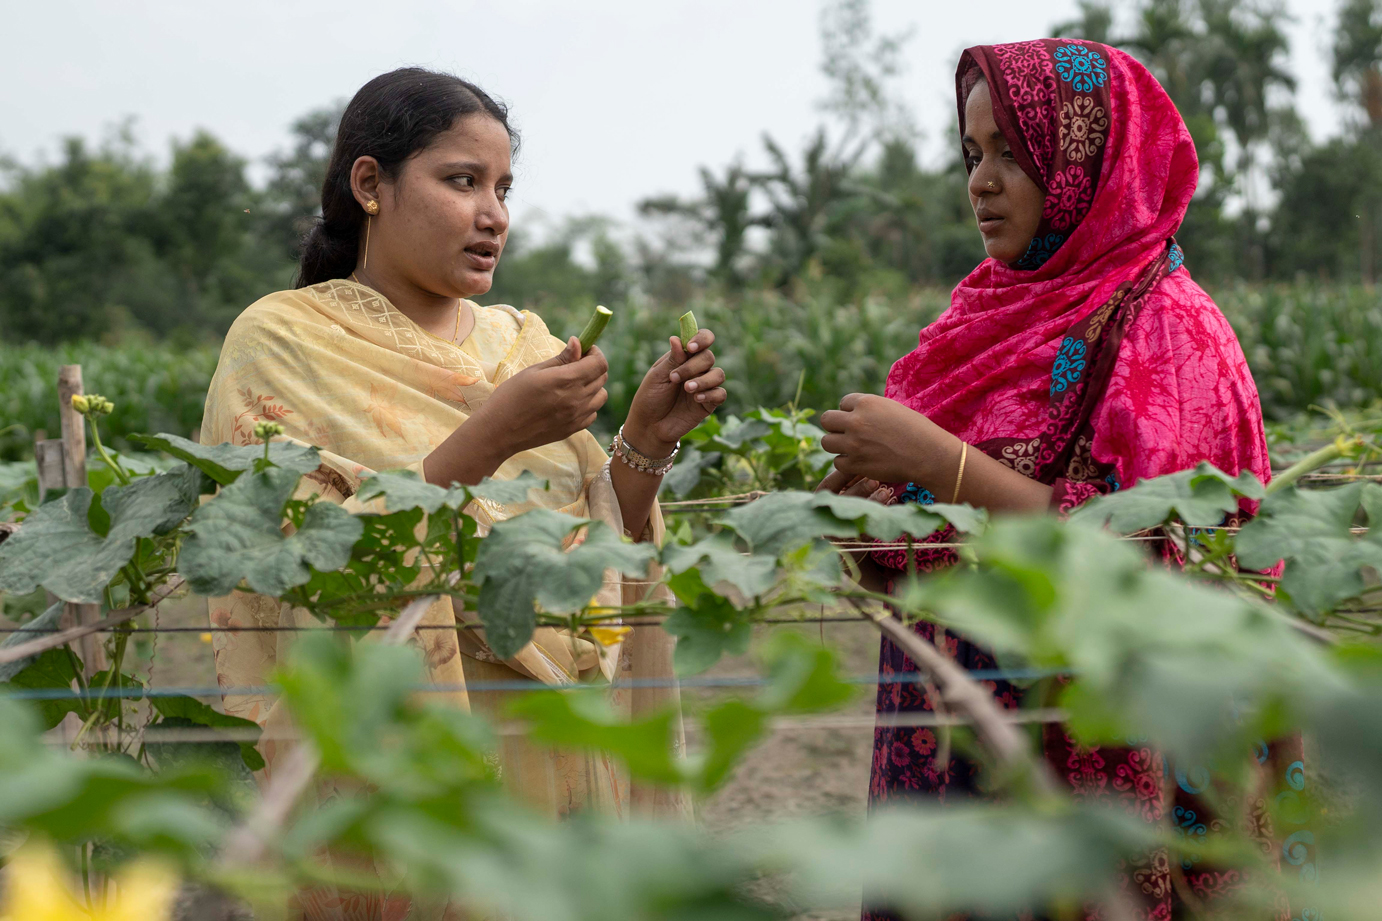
x=885 y=442
x=543 y=403
x=848 y=484
x=549 y=401
x=679 y=390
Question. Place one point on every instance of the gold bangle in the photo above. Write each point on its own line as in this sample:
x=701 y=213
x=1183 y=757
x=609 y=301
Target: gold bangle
x=960 y=475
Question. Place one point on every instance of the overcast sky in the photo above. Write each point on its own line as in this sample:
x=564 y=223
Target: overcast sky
x=616 y=99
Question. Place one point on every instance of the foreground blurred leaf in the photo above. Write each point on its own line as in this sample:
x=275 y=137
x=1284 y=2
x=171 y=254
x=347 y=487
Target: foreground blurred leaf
x=933 y=862
x=238 y=536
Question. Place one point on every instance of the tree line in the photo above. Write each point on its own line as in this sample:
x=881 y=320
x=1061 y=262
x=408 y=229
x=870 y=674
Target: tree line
x=105 y=243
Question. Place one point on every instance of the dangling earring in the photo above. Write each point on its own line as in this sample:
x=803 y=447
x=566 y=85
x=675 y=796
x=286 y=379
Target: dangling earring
x=371 y=209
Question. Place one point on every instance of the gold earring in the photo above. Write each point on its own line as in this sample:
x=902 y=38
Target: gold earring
x=372 y=207
x=364 y=263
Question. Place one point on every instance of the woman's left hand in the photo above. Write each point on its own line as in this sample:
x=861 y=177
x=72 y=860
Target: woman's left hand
x=885 y=441
x=679 y=390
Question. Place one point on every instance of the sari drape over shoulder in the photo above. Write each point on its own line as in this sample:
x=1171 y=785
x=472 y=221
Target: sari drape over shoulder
x=1090 y=364
x=341 y=368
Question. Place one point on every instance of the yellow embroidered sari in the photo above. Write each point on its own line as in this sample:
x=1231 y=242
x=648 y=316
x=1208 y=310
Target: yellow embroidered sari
x=342 y=369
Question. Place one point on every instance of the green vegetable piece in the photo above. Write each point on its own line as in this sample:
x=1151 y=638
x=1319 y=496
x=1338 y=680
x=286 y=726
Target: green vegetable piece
x=598 y=321
x=689 y=327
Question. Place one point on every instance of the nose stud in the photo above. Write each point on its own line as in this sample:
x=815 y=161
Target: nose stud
x=991 y=186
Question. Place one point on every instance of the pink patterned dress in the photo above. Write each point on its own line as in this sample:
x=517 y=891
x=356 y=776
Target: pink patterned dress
x=1090 y=364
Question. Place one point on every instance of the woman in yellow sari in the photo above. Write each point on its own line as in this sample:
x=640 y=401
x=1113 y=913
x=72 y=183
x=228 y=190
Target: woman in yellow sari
x=379 y=359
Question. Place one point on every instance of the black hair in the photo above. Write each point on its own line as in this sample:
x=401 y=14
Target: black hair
x=391 y=118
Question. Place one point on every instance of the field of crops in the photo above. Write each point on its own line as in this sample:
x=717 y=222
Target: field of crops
x=1307 y=345
x=148 y=789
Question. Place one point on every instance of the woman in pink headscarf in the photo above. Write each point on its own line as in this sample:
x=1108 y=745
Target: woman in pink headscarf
x=1077 y=360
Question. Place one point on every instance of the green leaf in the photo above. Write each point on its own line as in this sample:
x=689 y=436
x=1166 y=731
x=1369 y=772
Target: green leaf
x=1193 y=668
x=731 y=728
x=47 y=622
x=1200 y=497
x=238 y=536
x=786 y=520
x=404 y=489
x=982 y=860
x=735 y=433
x=584 y=719
x=58 y=549
x=384 y=556
x=1311 y=530
x=225 y=462
x=52 y=669
x=523 y=565
x=802 y=677
x=720 y=561
x=686 y=475
x=194 y=712
x=508 y=492
x=706 y=630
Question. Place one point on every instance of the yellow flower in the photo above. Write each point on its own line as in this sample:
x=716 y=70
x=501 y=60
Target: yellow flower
x=37 y=890
x=80 y=404
x=608 y=636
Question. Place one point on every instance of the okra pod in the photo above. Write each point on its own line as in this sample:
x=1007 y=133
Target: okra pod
x=598 y=321
x=689 y=328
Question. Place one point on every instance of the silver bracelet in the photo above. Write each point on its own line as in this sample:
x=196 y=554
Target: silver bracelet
x=640 y=461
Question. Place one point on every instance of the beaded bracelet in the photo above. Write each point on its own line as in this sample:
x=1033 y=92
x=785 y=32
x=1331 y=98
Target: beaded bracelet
x=640 y=461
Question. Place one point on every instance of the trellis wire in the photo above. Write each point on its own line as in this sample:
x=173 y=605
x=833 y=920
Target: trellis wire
x=728 y=681
x=921 y=718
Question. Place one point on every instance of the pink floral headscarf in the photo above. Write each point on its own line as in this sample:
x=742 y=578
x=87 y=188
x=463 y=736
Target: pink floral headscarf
x=1094 y=361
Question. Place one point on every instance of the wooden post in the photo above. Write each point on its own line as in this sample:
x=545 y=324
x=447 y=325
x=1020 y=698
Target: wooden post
x=73 y=456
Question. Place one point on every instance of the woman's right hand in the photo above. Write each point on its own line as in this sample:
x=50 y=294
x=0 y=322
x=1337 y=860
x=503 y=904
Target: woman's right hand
x=546 y=402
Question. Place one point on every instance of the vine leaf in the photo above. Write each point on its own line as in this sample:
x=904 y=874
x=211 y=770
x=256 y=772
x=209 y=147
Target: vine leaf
x=707 y=626
x=1311 y=531
x=238 y=536
x=524 y=564
x=225 y=462
x=47 y=622
x=178 y=710
x=50 y=669
x=586 y=720
x=686 y=475
x=720 y=561
x=786 y=520
x=1200 y=497
x=404 y=489
x=58 y=549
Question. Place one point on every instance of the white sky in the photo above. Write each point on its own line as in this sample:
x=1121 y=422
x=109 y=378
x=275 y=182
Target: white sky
x=616 y=99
